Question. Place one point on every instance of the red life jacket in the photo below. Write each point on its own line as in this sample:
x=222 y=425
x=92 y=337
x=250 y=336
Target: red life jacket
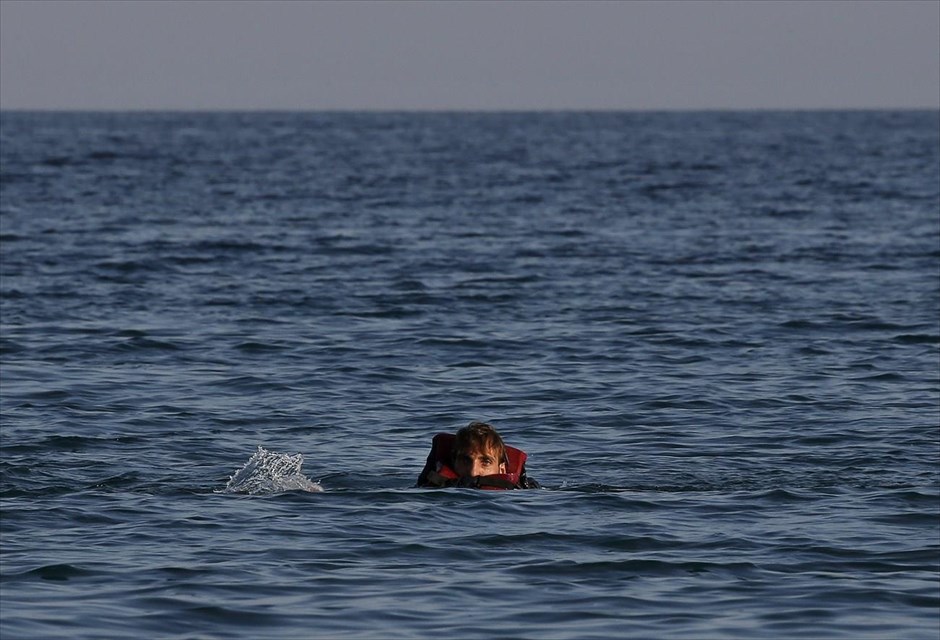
x=438 y=472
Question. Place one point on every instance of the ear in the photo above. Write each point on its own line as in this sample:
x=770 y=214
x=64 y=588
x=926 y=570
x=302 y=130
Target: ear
x=502 y=467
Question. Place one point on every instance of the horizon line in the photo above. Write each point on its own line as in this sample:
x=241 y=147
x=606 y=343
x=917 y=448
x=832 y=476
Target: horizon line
x=455 y=109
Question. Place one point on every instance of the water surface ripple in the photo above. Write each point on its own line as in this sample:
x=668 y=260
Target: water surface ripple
x=717 y=335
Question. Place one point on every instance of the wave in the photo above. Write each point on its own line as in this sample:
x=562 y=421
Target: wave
x=268 y=472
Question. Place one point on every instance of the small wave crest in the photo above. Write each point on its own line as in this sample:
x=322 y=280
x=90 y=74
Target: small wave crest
x=267 y=472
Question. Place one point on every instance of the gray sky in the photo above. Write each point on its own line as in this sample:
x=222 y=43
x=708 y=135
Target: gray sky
x=469 y=55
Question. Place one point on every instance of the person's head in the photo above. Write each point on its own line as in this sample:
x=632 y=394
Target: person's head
x=479 y=451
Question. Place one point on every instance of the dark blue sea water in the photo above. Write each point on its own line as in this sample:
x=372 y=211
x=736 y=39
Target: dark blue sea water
x=717 y=335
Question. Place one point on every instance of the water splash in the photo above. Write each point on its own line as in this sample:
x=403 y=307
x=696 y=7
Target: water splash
x=268 y=472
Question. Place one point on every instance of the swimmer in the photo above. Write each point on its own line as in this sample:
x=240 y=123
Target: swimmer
x=475 y=457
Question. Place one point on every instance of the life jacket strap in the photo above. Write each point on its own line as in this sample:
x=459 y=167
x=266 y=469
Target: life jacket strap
x=493 y=482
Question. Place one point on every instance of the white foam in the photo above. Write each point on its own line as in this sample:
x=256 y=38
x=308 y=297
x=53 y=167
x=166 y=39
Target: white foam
x=268 y=472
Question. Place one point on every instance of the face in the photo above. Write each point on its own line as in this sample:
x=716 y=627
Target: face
x=469 y=464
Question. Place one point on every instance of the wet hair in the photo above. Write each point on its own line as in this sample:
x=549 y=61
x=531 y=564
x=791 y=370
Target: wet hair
x=479 y=436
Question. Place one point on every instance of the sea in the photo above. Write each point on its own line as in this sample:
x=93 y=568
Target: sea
x=229 y=337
